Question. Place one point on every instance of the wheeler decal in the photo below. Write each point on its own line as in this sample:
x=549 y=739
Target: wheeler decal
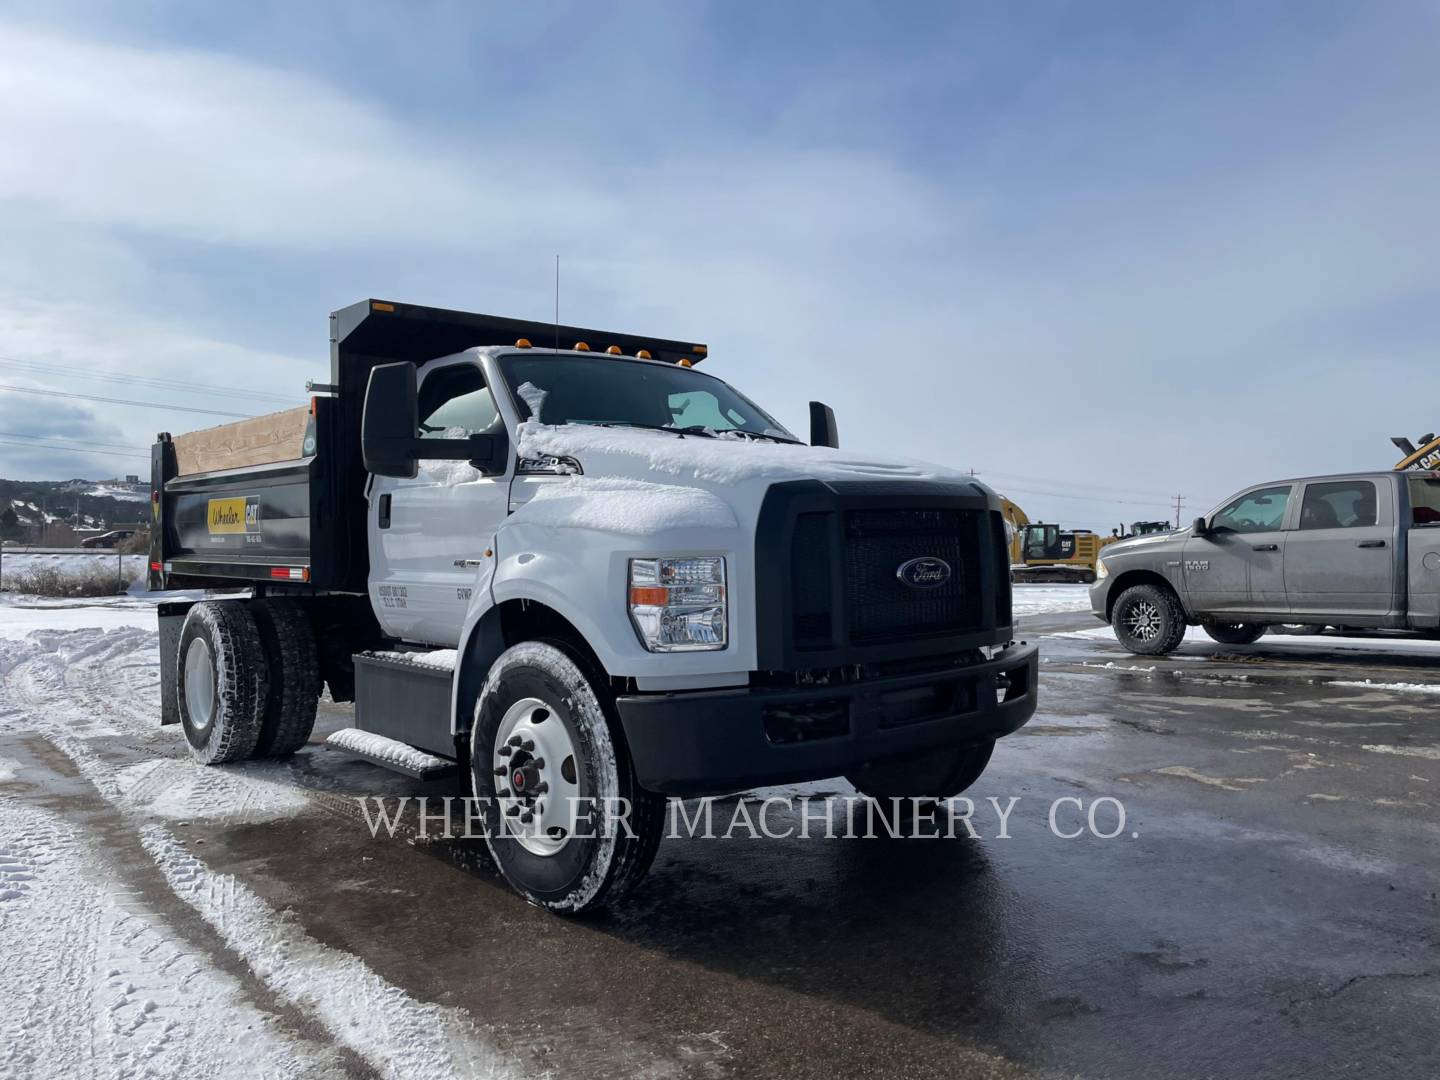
x=233 y=517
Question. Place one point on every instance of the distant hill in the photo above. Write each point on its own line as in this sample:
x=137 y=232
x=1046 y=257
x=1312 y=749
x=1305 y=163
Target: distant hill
x=101 y=503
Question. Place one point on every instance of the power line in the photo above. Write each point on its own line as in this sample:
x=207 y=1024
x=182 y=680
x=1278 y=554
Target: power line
x=139 y=380
x=72 y=449
x=67 y=439
x=1050 y=479
x=123 y=401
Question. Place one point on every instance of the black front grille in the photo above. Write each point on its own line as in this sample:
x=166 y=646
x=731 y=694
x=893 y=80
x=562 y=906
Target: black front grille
x=881 y=607
x=811 y=573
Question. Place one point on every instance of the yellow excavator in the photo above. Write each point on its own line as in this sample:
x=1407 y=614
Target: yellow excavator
x=1044 y=552
x=1426 y=456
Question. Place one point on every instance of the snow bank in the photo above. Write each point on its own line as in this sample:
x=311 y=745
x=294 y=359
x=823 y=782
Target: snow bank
x=721 y=461
x=1049 y=599
x=1404 y=687
x=625 y=507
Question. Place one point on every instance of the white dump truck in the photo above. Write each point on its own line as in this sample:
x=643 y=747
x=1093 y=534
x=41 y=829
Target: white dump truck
x=578 y=577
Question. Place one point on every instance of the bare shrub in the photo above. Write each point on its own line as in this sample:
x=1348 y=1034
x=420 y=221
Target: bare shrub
x=52 y=581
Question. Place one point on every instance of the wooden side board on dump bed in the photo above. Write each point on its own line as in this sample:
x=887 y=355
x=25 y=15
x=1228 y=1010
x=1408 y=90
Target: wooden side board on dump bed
x=261 y=440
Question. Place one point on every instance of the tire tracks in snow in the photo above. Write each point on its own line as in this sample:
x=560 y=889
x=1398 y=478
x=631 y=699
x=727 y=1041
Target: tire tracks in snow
x=66 y=684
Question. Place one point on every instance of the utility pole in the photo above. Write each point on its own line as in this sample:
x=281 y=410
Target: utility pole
x=1179 y=502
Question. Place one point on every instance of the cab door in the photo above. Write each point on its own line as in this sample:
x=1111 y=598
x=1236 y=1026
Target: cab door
x=1341 y=560
x=1239 y=564
x=428 y=535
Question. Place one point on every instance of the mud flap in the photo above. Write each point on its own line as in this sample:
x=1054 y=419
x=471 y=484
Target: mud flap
x=172 y=621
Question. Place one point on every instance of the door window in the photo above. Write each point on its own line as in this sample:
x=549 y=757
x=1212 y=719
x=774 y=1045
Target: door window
x=456 y=403
x=1340 y=504
x=1425 y=499
x=1255 y=511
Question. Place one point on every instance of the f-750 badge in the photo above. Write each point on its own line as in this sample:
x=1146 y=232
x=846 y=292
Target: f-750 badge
x=1197 y=564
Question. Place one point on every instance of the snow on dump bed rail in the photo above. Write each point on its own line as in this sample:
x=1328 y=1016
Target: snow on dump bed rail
x=723 y=461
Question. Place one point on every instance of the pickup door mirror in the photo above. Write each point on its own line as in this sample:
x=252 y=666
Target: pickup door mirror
x=823 y=431
x=1200 y=528
x=388 y=426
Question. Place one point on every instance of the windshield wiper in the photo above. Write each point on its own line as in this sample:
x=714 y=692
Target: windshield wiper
x=681 y=432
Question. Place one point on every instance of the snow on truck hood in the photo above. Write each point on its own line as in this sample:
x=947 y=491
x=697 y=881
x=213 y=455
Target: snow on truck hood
x=626 y=486
x=633 y=451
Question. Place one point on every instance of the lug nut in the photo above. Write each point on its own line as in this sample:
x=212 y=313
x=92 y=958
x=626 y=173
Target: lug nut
x=512 y=811
x=501 y=771
x=504 y=751
x=538 y=762
x=515 y=740
x=527 y=817
x=527 y=745
x=541 y=788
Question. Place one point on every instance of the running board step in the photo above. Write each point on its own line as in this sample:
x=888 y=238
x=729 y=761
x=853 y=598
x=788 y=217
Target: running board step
x=390 y=754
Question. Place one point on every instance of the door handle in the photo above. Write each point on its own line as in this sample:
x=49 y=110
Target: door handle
x=1264 y=547
x=1370 y=543
x=383 y=515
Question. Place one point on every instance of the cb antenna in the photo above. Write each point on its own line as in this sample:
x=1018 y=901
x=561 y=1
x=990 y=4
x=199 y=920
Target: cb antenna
x=557 y=303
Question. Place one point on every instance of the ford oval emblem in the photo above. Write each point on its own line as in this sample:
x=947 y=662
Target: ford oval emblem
x=923 y=573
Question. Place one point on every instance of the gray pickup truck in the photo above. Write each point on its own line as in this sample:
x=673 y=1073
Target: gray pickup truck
x=1359 y=549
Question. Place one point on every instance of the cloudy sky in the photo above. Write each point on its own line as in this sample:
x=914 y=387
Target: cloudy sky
x=1100 y=253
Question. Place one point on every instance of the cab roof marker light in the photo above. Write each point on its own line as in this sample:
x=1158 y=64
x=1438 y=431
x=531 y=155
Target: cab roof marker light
x=685 y=361
x=580 y=346
x=381 y=305
x=522 y=343
x=614 y=350
x=644 y=354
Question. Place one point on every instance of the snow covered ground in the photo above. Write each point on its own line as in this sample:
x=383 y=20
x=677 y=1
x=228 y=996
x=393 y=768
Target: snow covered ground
x=1300 y=644
x=115 y=982
x=1050 y=599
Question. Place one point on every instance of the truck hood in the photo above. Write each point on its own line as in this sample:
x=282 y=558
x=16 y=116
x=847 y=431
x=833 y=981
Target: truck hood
x=711 y=463
x=1141 y=543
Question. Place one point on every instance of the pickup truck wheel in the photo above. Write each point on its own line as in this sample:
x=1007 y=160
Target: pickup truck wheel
x=1234 y=633
x=223 y=681
x=566 y=822
x=294 y=690
x=1148 y=620
x=923 y=776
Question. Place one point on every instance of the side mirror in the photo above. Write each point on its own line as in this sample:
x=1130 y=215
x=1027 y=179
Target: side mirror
x=389 y=422
x=1199 y=528
x=823 y=431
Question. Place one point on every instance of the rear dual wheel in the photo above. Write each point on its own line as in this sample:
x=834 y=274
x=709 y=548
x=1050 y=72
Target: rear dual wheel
x=249 y=680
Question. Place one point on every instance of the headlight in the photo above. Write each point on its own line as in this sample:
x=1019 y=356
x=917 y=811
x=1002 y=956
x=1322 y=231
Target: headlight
x=1101 y=570
x=678 y=605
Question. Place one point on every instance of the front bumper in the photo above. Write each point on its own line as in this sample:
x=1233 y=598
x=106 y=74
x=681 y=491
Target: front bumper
x=1100 y=597
x=717 y=741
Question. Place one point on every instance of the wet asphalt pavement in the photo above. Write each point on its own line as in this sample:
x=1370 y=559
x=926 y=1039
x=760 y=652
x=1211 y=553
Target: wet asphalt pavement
x=1268 y=909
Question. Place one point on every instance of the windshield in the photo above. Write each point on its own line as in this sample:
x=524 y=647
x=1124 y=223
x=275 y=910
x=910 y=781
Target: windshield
x=631 y=393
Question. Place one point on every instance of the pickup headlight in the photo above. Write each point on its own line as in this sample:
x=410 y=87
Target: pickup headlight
x=678 y=605
x=1101 y=570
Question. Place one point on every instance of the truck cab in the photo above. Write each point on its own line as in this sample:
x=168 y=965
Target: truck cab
x=580 y=577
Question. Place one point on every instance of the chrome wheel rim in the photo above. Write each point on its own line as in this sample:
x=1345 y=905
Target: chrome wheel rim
x=1142 y=621
x=536 y=774
x=199 y=684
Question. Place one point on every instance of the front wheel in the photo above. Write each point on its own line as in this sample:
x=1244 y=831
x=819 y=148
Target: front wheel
x=1148 y=620
x=923 y=776
x=1234 y=633
x=566 y=821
